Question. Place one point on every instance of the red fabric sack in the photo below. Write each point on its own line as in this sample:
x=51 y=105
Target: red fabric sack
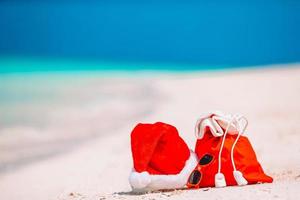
x=244 y=159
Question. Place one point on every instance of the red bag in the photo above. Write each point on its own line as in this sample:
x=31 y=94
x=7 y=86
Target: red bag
x=244 y=158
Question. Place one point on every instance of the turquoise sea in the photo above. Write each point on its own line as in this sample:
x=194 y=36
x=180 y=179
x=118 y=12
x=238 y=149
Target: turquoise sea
x=13 y=65
x=20 y=64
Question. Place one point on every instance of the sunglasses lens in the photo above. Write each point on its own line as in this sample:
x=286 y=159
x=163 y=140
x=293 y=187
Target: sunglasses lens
x=195 y=177
x=205 y=159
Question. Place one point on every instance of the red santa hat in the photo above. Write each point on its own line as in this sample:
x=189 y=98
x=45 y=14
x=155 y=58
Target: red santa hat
x=161 y=158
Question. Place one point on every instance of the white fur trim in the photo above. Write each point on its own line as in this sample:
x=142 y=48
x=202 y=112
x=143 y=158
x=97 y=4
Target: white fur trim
x=216 y=122
x=159 y=182
x=139 y=180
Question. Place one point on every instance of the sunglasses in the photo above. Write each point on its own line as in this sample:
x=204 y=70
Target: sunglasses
x=196 y=176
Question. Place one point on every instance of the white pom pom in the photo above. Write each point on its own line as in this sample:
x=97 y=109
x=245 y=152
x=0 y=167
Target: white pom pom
x=139 y=180
x=220 y=180
x=239 y=178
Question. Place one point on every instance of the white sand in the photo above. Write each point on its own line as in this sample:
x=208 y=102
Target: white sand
x=269 y=98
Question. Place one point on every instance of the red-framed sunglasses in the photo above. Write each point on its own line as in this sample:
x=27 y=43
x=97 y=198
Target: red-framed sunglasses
x=196 y=176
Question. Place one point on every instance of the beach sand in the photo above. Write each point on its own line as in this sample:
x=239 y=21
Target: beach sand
x=98 y=168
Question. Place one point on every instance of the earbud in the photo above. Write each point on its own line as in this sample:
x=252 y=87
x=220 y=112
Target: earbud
x=220 y=180
x=239 y=178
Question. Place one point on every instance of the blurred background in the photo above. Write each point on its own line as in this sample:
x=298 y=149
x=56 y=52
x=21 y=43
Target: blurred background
x=177 y=34
x=68 y=69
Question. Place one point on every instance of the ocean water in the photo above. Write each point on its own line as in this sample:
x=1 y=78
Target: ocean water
x=19 y=65
x=175 y=35
x=10 y=65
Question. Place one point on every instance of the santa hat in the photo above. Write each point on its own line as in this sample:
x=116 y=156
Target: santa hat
x=161 y=158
